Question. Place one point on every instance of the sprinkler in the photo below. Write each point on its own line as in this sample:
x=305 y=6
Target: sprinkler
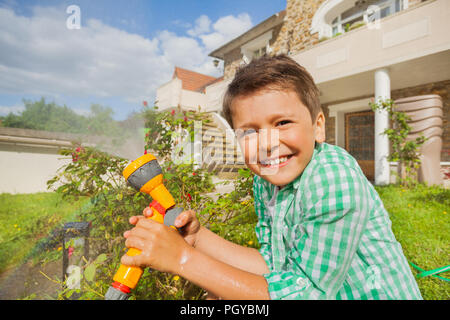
x=145 y=175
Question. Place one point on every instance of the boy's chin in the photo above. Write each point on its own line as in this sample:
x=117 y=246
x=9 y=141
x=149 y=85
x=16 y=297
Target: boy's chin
x=279 y=179
x=276 y=176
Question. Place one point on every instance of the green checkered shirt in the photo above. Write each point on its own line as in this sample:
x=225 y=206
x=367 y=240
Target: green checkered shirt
x=327 y=235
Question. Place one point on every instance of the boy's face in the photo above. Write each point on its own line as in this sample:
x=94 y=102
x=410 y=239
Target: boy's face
x=276 y=134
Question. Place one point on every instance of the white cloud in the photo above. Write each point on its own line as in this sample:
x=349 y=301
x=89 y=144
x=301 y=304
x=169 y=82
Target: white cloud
x=231 y=26
x=226 y=29
x=180 y=50
x=202 y=25
x=40 y=56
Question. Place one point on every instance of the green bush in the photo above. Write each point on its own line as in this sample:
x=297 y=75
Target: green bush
x=98 y=175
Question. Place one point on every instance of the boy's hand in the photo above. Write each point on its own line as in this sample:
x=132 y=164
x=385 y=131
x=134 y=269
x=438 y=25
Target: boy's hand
x=162 y=247
x=187 y=222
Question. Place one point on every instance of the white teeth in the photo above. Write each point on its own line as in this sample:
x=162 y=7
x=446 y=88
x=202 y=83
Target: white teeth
x=274 y=161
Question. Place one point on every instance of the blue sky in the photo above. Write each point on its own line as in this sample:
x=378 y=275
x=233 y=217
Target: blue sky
x=123 y=51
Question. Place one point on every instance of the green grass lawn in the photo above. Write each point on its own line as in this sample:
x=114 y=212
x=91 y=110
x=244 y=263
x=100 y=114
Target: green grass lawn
x=421 y=223
x=27 y=218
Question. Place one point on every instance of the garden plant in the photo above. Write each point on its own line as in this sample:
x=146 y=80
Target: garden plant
x=419 y=213
x=97 y=175
x=405 y=151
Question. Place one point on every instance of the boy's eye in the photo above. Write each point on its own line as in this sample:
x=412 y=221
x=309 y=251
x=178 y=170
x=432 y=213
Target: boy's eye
x=244 y=133
x=283 y=122
x=249 y=132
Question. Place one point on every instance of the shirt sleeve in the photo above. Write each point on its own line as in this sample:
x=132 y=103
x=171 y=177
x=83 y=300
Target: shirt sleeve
x=336 y=208
x=263 y=226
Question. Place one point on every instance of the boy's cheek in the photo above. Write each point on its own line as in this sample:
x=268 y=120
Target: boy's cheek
x=249 y=149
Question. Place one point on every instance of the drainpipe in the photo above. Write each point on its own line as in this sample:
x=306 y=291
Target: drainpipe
x=382 y=92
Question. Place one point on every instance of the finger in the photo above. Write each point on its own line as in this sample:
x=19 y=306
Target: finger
x=184 y=218
x=135 y=242
x=129 y=233
x=131 y=261
x=135 y=219
x=148 y=224
x=140 y=232
x=148 y=212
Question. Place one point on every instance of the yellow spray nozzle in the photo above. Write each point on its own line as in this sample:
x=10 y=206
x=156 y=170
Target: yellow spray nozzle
x=145 y=175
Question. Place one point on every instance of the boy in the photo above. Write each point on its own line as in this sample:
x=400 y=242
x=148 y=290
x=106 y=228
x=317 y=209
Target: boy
x=323 y=230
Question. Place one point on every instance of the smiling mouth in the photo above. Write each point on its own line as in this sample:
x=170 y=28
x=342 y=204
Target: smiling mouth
x=278 y=162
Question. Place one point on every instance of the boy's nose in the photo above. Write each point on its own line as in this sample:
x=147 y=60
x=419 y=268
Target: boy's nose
x=269 y=142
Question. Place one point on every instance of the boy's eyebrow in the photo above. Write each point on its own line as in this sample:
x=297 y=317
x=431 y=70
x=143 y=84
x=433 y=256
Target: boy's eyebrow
x=246 y=125
x=272 y=118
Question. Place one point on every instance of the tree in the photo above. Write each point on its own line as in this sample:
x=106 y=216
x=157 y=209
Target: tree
x=40 y=115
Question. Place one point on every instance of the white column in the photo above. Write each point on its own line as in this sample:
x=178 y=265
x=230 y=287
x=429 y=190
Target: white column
x=198 y=143
x=382 y=92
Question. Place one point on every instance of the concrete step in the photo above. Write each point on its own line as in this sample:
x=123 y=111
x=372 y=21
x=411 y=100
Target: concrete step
x=215 y=148
x=223 y=158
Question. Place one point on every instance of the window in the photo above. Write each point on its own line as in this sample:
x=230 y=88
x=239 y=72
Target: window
x=259 y=53
x=256 y=47
x=359 y=14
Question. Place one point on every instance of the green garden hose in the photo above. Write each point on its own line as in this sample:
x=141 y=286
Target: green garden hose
x=434 y=272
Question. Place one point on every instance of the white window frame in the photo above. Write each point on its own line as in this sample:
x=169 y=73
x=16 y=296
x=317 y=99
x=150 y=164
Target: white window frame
x=383 y=5
x=322 y=20
x=256 y=44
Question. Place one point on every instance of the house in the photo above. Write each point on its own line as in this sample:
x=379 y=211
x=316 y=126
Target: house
x=186 y=89
x=356 y=51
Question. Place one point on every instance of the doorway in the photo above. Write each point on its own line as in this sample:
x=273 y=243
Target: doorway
x=360 y=140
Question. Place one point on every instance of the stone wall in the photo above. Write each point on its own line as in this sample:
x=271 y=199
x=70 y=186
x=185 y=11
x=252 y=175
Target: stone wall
x=330 y=133
x=233 y=59
x=295 y=35
x=291 y=36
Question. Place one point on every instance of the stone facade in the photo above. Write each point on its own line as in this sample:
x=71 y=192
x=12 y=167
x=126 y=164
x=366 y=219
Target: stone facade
x=295 y=35
x=233 y=59
x=292 y=36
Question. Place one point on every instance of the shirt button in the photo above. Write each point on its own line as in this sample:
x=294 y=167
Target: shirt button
x=301 y=282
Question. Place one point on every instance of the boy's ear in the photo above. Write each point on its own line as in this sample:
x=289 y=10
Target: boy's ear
x=320 y=128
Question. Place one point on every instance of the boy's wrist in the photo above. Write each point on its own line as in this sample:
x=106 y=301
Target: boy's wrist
x=185 y=256
x=199 y=236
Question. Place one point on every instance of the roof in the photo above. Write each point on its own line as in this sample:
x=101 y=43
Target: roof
x=249 y=35
x=202 y=89
x=193 y=81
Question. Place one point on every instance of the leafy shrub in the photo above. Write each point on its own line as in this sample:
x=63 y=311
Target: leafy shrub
x=98 y=175
x=406 y=152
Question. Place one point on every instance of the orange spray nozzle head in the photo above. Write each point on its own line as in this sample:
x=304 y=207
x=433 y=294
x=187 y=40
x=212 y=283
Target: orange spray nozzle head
x=145 y=174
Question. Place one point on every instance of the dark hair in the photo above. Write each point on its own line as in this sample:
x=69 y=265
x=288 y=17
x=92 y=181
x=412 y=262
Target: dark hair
x=272 y=72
